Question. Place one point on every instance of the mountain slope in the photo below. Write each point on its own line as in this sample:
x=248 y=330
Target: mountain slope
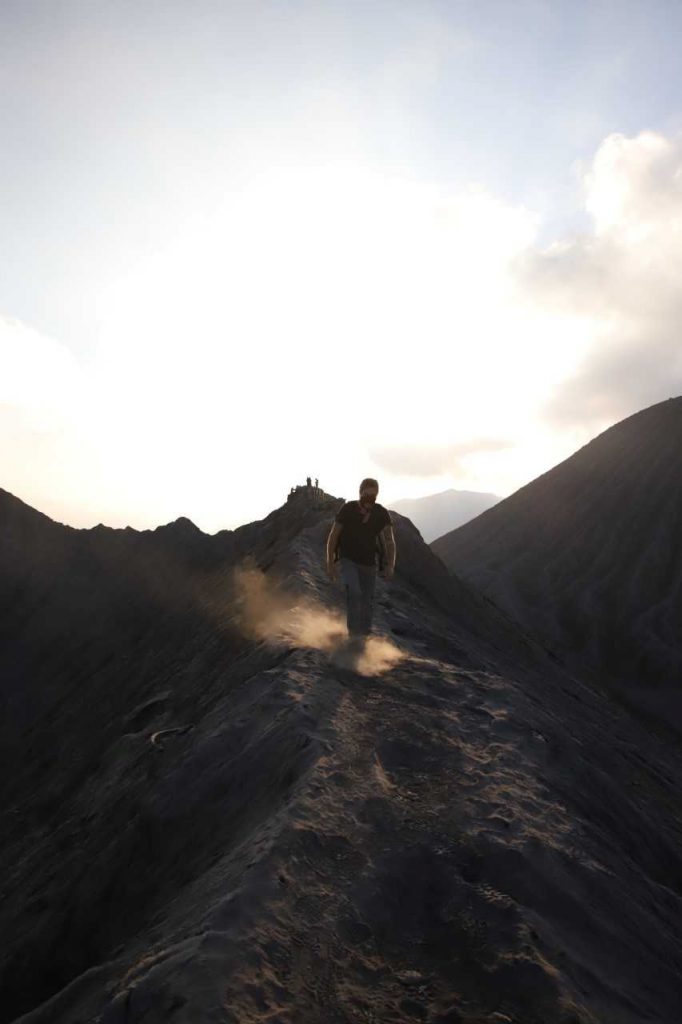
x=209 y=816
x=588 y=557
x=436 y=514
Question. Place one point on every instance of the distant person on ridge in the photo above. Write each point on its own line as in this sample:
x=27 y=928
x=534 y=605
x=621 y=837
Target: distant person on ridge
x=355 y=531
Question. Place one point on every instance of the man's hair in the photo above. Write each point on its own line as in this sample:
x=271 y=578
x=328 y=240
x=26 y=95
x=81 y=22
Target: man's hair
x=369 y=481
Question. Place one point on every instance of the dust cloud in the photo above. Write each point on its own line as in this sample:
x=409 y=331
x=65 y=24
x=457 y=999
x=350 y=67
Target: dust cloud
x=266 y=610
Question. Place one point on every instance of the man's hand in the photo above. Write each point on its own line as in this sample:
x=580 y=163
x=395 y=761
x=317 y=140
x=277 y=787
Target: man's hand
x=388 y=572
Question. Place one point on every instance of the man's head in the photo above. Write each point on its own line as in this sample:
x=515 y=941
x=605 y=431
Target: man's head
x=369 y=490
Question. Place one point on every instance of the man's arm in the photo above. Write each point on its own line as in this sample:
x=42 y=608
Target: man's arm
x=332 y=541
x=389 y=545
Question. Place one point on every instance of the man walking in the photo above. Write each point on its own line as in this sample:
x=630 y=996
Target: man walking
x=355 y=530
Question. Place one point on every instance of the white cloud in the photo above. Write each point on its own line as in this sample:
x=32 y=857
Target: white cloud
x=423 y=460
x=39 y=376
x=340 y=322
x=623 y=277
x=310 y=286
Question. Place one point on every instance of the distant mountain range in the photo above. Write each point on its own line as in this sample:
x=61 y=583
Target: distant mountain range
x=588 y=557
x=436 y=514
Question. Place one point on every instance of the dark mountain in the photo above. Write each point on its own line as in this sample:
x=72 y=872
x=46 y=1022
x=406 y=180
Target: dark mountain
x=211 y=811
x=588 y=557
x=436 y=514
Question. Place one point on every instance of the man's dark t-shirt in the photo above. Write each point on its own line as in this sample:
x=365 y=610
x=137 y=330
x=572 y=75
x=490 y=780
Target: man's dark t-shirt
x=357 y=540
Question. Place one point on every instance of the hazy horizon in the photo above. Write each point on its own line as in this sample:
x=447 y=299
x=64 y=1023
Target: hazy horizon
x=242 y=243
x=346 y=497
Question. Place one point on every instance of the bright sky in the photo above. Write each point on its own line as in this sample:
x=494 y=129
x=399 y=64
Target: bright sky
x=438 y=243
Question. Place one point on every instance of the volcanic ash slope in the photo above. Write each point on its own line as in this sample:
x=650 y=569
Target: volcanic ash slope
x=446 y=827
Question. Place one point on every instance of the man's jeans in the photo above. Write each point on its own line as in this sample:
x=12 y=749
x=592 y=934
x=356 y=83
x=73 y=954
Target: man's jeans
x=359 y=581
